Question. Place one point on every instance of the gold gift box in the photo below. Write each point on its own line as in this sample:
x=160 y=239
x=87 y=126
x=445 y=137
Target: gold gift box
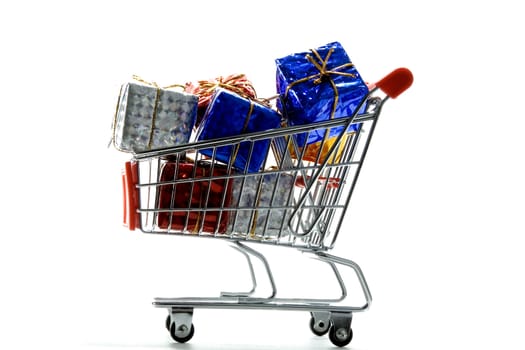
x=316 y=152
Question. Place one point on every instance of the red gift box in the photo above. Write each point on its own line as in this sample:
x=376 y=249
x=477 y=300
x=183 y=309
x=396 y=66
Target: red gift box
x=194 y=186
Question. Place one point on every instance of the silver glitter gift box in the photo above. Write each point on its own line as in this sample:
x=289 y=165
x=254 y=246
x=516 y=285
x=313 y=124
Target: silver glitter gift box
x=261 y=201
x=149 y=117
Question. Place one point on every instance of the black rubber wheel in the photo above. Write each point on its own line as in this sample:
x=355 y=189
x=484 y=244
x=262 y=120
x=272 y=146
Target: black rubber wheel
x=320 y=329
x=181 y=339
x=168 y=322
x=340 y=337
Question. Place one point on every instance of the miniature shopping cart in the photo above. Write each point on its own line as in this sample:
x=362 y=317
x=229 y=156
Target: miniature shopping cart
x=298 y=200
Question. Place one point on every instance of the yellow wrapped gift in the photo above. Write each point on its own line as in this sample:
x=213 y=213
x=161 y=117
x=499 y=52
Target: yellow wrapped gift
x=285 y=151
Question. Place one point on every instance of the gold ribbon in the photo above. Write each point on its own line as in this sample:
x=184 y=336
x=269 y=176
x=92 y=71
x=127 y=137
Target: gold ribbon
x=262 y=101
x=323 y=75
x=154 y=84
x=244 y=127
x=237 y=83
x=154 y=116
x=198 y=223
x=157 y=99
x=266 y=101
x=234 y=156
x=256 y=205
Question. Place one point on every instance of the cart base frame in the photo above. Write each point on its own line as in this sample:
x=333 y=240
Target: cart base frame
x=327 y=315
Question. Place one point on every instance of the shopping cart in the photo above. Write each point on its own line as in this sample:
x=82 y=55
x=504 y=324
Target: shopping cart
x=298 y=200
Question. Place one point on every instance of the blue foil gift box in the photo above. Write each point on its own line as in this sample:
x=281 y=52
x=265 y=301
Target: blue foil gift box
x=230 y=114
x=319 y=85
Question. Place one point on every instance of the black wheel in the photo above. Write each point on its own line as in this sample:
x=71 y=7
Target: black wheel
x=168 y=322
x=340 y=336
x=319 y=329
x=185 y=337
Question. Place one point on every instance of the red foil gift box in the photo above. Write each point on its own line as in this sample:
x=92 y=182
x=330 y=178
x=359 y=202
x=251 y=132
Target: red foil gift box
x=191 y=197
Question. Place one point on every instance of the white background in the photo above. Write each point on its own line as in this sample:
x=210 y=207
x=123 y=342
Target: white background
x=436 y=222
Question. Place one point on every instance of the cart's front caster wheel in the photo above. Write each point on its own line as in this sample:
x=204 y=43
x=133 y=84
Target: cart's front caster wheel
x=340 y=336
x=183 y=333
x=168 y=323
x=319 y=327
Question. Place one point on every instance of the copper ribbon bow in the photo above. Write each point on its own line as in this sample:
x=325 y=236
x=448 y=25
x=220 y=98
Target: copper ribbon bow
x=237 y=83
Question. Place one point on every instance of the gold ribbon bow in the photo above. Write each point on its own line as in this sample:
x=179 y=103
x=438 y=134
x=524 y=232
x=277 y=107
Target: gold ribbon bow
x=323 y=75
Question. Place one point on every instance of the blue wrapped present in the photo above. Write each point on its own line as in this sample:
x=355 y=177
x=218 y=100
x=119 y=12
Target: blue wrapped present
x=319 y=85
x=230 y=114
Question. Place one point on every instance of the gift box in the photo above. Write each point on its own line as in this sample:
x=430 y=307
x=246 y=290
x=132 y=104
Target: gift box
x=254 y=197
x=193 y=186
x=285 y=150
x=230 y=114
x=205 y=89
x=149 y=117
x=318 y=85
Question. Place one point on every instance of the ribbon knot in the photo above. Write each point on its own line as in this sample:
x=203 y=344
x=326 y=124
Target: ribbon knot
x=324 y=75
x=320 y=64
x=156 y=105
x=237 y=83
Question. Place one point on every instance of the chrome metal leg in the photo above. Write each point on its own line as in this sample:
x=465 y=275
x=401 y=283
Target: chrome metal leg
x=359 y=273
x=266 y=265
x=252 y=275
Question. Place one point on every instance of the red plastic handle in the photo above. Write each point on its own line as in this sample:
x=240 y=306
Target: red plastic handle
x=130 y=193
x=395 y=83
x=125 y=199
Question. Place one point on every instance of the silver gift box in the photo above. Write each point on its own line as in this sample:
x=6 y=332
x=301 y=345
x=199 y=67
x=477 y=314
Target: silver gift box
x=264 y=204
x=149 y=118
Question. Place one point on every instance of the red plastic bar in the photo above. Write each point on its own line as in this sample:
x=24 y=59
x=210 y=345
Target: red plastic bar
x=129 y=179
x=395 y=83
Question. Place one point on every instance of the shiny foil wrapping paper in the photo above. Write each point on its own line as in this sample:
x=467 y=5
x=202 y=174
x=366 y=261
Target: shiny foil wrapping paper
x=183 y=198
x=149 y=118
x=251 y=195
x=230 y=115
x=309 y=95
x=316 y=152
